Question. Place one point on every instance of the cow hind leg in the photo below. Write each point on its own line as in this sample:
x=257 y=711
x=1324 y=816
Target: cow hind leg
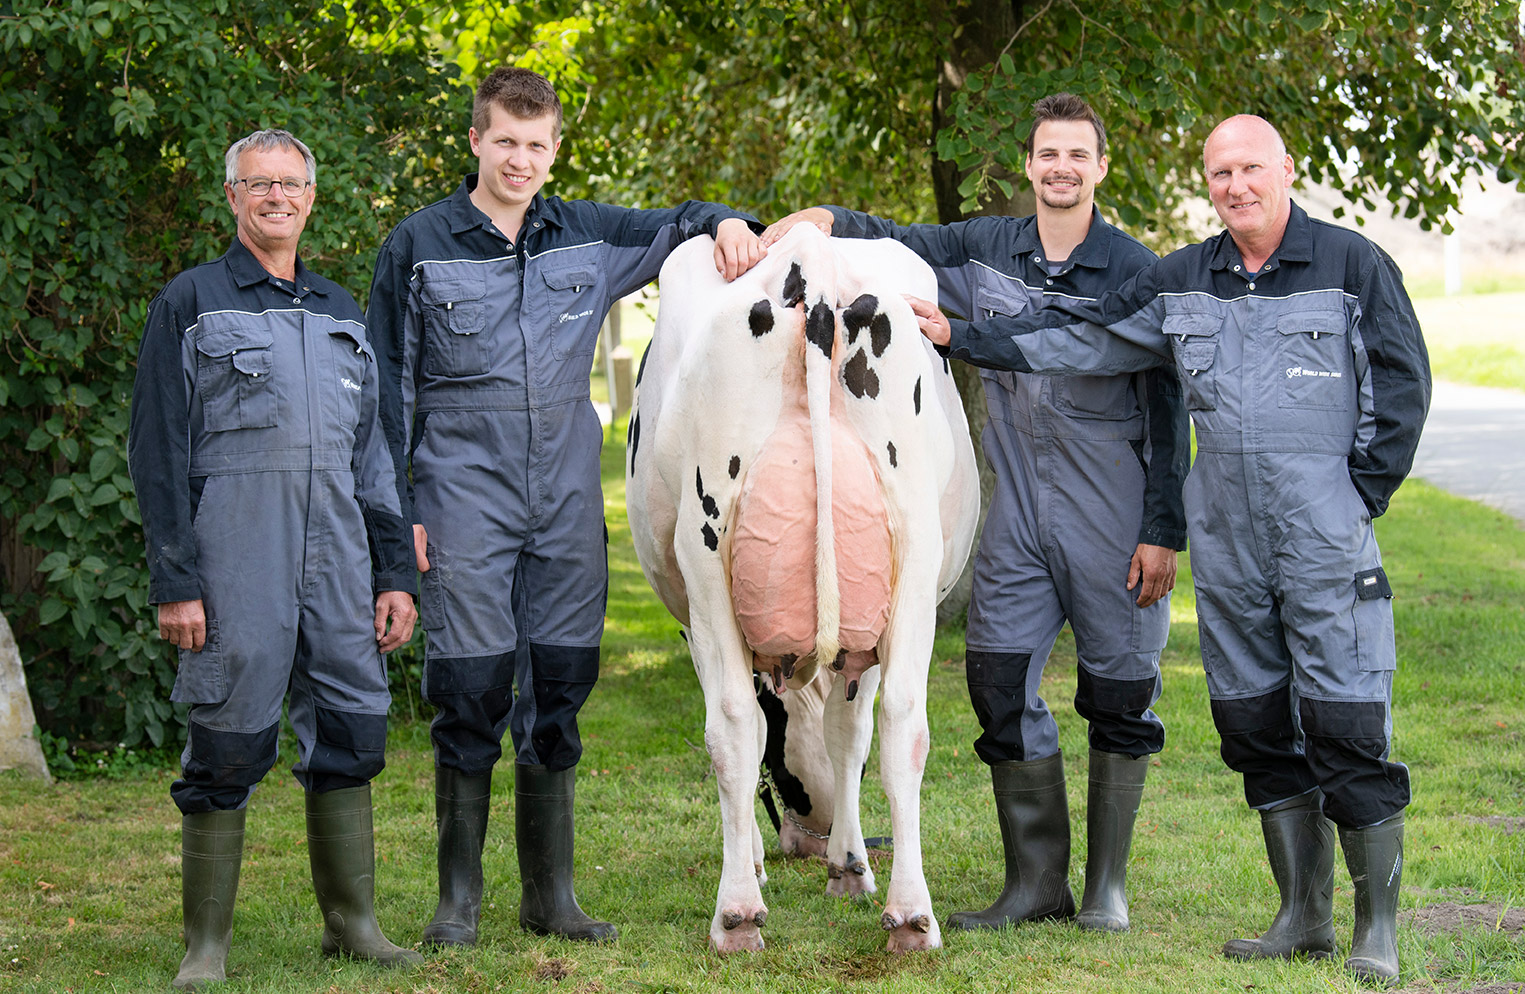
x=849 y=730
x=903 y=744
x=732 y=737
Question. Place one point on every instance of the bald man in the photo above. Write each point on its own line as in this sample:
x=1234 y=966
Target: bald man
x=1307 y=379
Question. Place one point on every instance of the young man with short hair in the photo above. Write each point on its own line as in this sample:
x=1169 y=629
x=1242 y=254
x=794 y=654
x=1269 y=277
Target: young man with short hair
x=1083 y=527
x=485 y=312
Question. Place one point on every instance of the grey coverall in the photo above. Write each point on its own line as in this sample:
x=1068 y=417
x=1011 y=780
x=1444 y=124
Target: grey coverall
x=1309 y=383
x=486 y=347
x=267 y=491
x=1086 y=468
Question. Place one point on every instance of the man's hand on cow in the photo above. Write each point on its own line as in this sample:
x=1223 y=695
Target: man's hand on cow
x=421 y=548
x=1153 y=571
x=184 y=623
x=818 y=216
x=933 y=324
x=737 y=249
x=396 y=607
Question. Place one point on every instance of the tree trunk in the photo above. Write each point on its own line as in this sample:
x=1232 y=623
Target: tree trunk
x=984 y=27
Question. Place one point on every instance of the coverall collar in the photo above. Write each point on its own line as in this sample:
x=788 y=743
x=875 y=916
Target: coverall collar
x=465 y=215
x=247 y=271
x=1093 y=253
x=1296 y=245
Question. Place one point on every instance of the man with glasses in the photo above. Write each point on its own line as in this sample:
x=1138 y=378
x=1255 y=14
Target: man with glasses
x=277 y=552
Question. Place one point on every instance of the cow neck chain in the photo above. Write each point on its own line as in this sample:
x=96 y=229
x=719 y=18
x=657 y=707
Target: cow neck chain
x=766 y=782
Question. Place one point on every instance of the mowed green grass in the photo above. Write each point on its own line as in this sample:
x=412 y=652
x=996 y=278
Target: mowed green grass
x=89 y=872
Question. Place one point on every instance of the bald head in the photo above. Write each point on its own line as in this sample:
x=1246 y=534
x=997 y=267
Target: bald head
x=1246 y=127
x=1249 y=174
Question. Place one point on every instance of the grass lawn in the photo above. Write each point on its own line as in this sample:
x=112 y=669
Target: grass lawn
x=89 y=871
x=1475 y=338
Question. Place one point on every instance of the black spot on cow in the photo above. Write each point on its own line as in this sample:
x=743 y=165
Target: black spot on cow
x=879 y=334
x=642 y=370
x=893 y=462
x=711 y=509
x=861 y=380
x=858 y=315
x=791 y=792
x=710 y=538
x=946 y=369
x=840 y=661
x=916 y=395
x=735 y=466
x=794 y=287
x=852 y=690
x=633 y=438
x=821 y=328
x=761 y=318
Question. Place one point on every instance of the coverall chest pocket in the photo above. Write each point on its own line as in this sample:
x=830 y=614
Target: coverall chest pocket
x=233 y=378
x=351 y=359
x=994 y=296
x=572 y=303
x=1194 y=339
x=455 y=319
x=1314 y=359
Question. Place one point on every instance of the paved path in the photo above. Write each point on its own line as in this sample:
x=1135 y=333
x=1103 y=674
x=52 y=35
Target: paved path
x=1474 y=445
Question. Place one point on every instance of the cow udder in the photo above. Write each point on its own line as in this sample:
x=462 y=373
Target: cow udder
x=773 y=582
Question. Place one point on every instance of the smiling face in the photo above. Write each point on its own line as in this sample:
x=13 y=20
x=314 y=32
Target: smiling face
x=271 y=225
x=514 y=157
x=1064 y=166
x=1248 y=175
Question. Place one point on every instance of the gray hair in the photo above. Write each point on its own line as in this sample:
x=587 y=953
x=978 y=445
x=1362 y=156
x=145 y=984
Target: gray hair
x=268 y=140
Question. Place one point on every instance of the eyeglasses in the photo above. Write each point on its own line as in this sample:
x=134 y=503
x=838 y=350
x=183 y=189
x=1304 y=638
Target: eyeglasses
x=260 y=185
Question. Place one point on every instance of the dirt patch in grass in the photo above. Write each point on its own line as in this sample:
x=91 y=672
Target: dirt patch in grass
x=1448 y=916
x=1506 y=824
x=553 y=969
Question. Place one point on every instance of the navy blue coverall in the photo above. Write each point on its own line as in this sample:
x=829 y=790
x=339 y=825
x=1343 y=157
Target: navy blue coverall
x=485 y=347
x=267 y=492
x=1086 y=468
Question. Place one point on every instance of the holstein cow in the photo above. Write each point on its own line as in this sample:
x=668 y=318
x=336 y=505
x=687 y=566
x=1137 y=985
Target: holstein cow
x=802 y=492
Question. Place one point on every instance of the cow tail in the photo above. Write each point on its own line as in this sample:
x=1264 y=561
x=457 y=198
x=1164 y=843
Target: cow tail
x=821 y=335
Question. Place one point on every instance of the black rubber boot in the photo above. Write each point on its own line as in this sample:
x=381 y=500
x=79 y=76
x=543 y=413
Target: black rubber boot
x=1117 y=785
x=211 y=850
x=1300 y=845
x=341 y=848
x=461 y=805
x=1035 y=835
x=1375 y=858
x=543 y=826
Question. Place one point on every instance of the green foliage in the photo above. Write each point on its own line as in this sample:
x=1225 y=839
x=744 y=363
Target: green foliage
x=118 y=113
x=769 y=106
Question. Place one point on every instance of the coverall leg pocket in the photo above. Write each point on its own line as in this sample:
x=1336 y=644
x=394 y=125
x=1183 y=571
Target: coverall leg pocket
x=202 y=677
x=1373 y=612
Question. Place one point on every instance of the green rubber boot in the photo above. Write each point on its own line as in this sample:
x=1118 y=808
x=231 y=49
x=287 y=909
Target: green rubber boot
x=211 y=850
x=341 y=848
x=1035 y=835
x=1116 y=787
x=1300 y=845
x=461 y=805
x=1375 y=858
x=543 y=825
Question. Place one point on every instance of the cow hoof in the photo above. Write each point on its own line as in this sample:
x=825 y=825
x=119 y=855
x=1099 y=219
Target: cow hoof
x=913 y=934
x=853 y=880
x=733 y=931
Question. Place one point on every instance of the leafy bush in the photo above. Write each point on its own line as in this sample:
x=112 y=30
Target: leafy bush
x=111 y=168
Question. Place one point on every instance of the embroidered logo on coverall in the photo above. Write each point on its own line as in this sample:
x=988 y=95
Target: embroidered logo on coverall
x=1295 y=371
